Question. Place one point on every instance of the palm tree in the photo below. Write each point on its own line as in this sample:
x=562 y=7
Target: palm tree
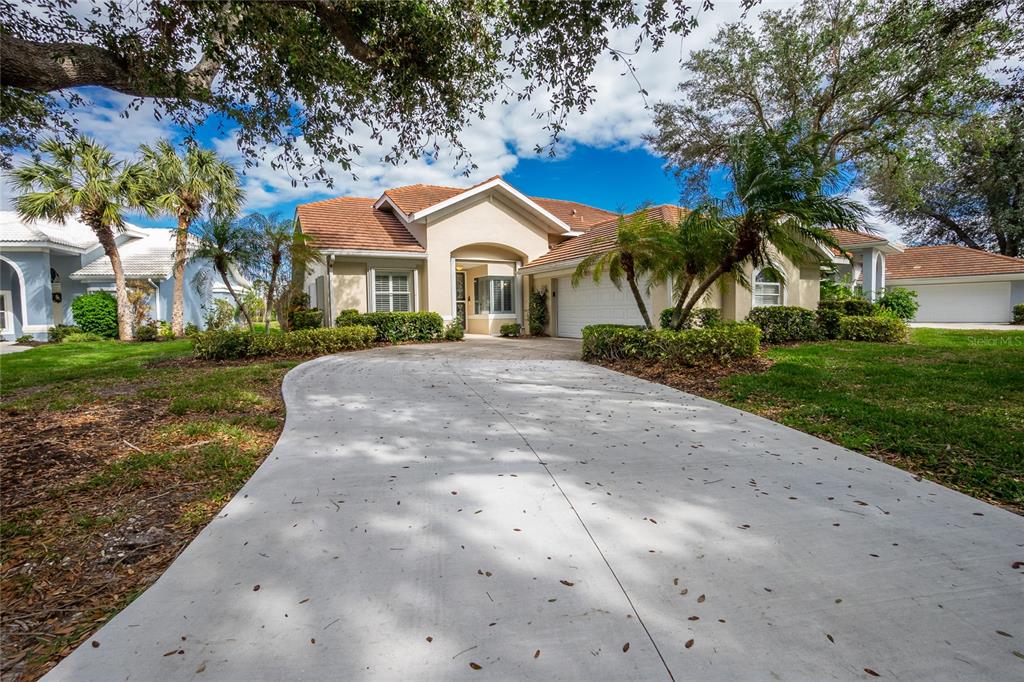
x=782 y=202
x=83 y=177
x=229 y=246
x=188 y=184
x=629 y=257
x=281 y=249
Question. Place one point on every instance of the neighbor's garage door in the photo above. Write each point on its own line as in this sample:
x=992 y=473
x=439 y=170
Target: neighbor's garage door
x=591 y=303
x=980 y=302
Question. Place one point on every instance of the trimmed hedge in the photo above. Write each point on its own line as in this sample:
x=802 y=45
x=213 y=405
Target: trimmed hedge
x=513 y=329
x=234 y=344
x=828 y=322
x=900 y=302
x=873 y=328
x=858 y=307
x=719 y=344
x=780 y=324
x=305 y=318
x=701 y=317
x=1018 y=313
x=96 y=313
x=395 y=327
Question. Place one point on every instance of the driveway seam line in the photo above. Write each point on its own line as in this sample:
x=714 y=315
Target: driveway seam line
x=579 y=518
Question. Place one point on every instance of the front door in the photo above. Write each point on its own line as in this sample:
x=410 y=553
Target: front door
x=460 y=298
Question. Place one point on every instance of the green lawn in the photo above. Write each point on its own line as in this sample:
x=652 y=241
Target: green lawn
x=105 y=443
x=948 y=405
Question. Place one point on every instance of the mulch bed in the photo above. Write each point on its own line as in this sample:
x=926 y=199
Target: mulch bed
x=704 y=380
x=76 y=552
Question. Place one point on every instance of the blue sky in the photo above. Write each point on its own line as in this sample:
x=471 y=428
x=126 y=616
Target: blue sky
x=601 y=158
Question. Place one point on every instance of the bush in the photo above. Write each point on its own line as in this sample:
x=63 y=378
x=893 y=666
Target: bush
x=513 y=329
x=24 y=338
x=873 y=328
x=96 y=313
x=781 y=324
x=720 y=344
x=828 y=318
x=237 y=343
x=219 y=315
x=701 y=317
x=58 y=333
x=902 y=302
x=167 y=331
x=147 y=332
x=81 y=337
x=346 y=317
x=1018 y=313
x=454 y=331
x=539 y=312
x=191 y=330
x=858 y=306
x=305 y=318
x=830 y=290
x=395 y=327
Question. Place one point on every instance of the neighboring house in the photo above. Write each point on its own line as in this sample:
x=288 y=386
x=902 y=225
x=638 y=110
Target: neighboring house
x=45 y=265
x=477 y=253
x=953 y=283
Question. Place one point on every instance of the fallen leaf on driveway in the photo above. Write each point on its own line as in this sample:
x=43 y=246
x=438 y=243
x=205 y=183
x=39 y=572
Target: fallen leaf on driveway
x=566 y=583
x=625 y=647
x=689 y=643
x=475 y=666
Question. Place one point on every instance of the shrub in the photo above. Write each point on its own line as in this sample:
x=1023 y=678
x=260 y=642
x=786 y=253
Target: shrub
x=513 y=329
x=219 y=315
x=720 y=343
x=539 y=312
x=166 y=331
x=873 y=328
x=236 y=344
x=96 y=313
x=347 y=316
x=57 y=334
x=902 y=302
x=81 y=337
x=147 y=332
x=858 y=306
x=828 y=318
x=191 y=330
x=395 y=327
x=780 y=324
x=701 y=317
x=830 y=290
x=24 y=338
x=454 y=331
x=1018 y=313
x=614 y=342
x=305 y=318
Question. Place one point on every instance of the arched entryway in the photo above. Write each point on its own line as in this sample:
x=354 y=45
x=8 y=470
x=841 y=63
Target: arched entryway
x=487 y=287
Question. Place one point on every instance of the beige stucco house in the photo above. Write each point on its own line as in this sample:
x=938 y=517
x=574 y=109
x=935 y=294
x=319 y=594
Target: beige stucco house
x=476 y=253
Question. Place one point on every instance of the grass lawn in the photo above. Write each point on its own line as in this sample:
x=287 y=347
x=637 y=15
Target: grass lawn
x=115 y=456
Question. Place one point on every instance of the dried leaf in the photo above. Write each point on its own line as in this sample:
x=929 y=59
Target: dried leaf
x=430 y=639
x=830 y=638
x=255 y=588
x=998 y=632
x=536 y=654
x=689 y=643
x=475 y=666
x=693 y=618
x=700 y=599
x=625 y=647
x=871 y=672
x=96 y=645
x=566 y=583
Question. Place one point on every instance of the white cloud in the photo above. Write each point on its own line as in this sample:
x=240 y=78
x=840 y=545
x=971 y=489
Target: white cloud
x=875 y=220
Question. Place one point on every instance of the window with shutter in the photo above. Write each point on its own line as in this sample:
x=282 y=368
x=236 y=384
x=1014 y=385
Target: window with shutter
x=392 y=292
x=493 y=295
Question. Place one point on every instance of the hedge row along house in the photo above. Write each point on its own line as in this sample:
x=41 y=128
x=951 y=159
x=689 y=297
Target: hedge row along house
x=44 y=265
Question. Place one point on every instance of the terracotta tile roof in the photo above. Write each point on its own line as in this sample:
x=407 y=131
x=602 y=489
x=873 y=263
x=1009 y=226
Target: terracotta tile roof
x=352 y=223
x=601 y=237
x=576 y=215
x=412 y=198
x=849 y=238
x=948 y=261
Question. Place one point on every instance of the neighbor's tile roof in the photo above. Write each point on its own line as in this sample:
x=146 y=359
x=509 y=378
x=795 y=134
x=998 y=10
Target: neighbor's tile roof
x=574 y=214
x=601 y=237
x=151 y=257
x=352 y=223
x=948 y=261
x=73 y=232
x=848 y=238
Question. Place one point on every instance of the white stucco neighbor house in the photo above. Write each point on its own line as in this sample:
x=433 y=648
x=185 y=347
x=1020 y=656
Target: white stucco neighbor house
x=45 y=265
x=477 y=253
x=953 y=283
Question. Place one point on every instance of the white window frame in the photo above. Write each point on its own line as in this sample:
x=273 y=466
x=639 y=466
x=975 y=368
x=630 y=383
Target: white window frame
x=780 y=284
x=409 y=293
x=491 y=280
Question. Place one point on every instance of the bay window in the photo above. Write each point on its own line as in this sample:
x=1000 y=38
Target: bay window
x=493 y=296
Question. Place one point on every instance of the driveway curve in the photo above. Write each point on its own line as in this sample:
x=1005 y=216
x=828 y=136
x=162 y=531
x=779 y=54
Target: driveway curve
x=477 y=510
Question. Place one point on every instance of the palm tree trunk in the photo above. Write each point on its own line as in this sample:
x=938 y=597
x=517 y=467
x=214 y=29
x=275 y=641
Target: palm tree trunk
x=180 y=253
x=270 y=296
x=704 y=286
x=677 y=310
x=124 y=308
x=627 y=266
x=238 y=302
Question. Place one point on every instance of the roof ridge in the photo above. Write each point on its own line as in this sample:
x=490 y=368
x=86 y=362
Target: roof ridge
x=341 y=198
x=1012 y=259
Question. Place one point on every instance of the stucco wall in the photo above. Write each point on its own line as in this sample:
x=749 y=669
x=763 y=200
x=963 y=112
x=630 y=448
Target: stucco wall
x=485 y=224
x=37 y=315
x=350 y=281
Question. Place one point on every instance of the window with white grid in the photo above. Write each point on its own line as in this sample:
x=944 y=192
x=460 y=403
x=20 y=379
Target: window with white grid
x=392 y=292
x=767 y=288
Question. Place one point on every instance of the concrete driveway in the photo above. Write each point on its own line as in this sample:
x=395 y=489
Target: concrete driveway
x=472 y=511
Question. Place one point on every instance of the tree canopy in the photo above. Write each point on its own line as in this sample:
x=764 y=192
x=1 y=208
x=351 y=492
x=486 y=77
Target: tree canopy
x=854 y=75
x=323 y=70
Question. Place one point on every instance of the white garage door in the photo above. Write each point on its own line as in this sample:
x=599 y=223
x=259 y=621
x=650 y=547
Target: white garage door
x=591 y=303
x=980 y=302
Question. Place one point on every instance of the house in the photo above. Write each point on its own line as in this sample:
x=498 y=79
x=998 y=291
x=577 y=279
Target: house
x=953 y=283
x=45 y=265
x=477 y=253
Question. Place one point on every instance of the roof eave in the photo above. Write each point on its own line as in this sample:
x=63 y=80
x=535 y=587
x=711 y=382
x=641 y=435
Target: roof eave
x=496 y=183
